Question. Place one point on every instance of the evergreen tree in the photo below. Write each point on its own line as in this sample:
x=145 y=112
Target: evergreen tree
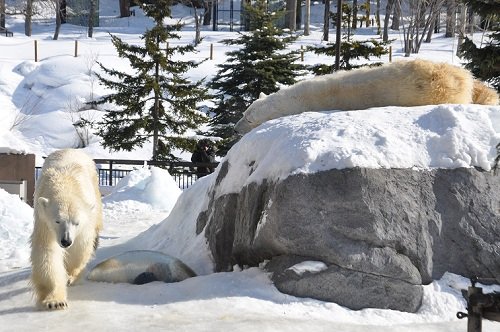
x=259 y=65
x=349 y=49
x=156 y=102
x=484 y=62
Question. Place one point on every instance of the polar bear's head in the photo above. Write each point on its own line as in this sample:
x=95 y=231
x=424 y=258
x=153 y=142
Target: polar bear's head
x=64 y=218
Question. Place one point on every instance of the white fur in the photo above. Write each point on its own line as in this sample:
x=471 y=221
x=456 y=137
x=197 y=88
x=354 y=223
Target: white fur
x=68 y=218
x=403 y=83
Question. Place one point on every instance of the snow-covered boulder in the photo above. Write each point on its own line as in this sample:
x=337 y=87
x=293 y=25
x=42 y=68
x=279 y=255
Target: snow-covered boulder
x=387 y=199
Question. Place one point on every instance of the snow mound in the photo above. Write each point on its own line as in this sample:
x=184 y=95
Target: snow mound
x=153 y=187
x=16 y=226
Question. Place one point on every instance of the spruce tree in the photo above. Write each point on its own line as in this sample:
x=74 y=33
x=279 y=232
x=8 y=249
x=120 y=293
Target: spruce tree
x=156 y=102
x=261 y=64
x=349 y=49
x=484 y=62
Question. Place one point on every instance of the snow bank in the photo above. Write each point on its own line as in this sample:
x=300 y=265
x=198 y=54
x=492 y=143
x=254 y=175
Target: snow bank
x=16 y=226
x=176 y=235
x=52 y=97
x=152 y=186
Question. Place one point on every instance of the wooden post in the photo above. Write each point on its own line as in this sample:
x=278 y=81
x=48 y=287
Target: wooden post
x=76 y=48
x=36 y=50
x=211 y=51
x=110 y=179
x=474 y=319
x=302 y=53
x=390 y=53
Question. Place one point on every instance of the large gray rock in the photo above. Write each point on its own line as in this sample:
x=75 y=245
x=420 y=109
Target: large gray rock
x=381 y=232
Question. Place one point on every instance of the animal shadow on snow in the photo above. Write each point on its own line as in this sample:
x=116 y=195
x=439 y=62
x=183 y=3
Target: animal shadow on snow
x=8 y=291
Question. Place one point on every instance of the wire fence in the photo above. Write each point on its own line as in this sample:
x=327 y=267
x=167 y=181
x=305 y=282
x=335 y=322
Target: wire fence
x=38 y=50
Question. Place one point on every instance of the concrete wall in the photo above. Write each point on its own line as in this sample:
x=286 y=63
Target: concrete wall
x=18 y=167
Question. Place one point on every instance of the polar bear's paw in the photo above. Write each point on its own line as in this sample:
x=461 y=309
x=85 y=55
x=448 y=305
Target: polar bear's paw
x=54 y=304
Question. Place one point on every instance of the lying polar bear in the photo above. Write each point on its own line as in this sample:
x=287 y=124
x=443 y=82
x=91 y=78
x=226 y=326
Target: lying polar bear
x=403 y=83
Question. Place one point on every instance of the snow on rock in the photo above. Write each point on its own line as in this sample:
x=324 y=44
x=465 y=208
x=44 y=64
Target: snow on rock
x=435 y=136
x=308 y=266
x=16 y=225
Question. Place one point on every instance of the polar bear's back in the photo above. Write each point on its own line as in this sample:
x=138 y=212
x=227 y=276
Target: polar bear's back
x=64 y=158
x=69 y=171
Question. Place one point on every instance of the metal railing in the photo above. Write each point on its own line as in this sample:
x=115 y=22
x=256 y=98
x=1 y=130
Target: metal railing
x=113 y=170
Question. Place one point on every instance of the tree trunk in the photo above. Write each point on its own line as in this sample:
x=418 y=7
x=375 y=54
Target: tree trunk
x=62 y=11
x=470 y=21
x=396 y=15
x=2 y=13
x=307 y=18
x=298 y=15
x=207 y=15
x=124 y=8
x=156 y=109
x=58 y=19
x=339 y=35
x=451 y=19
x=431 y=30
x=28 y=17
x=368 y=11
x=291 y=14
x=354 y=14
x=388 y=10
x=461 y=27
x=377 y=18
x=91 y=18
x=197 y=25
x=326 y=20
x=422 y=16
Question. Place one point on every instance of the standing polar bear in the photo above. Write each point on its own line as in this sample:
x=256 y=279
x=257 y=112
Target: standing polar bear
x=68 y=218
x=402 y=83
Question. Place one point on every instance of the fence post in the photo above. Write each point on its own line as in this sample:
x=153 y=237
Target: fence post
x=390 y=53
x=302 y=53
x=76 y=48
x=36 y=50
x=211 y=51
x=110 y=179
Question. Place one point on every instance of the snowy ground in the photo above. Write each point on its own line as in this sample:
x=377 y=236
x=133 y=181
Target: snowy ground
x=146 y=211
x=244 y=300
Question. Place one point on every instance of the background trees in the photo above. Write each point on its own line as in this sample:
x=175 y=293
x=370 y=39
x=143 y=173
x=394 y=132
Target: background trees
x=350 y=49
x=260 y=65
x=484 y=61
x=422 y=15
x=157 y=102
